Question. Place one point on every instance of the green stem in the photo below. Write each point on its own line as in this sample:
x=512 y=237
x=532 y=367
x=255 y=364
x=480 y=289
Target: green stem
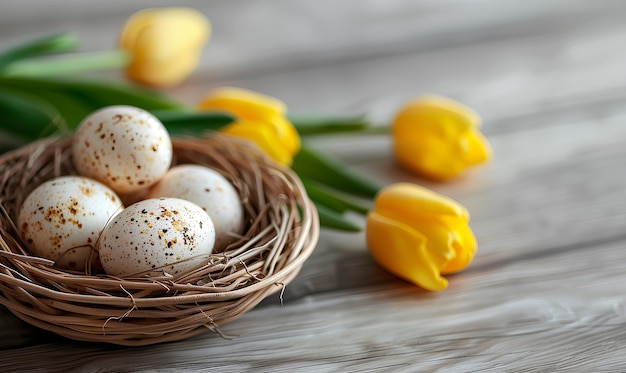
x=316 y=125
x=334 y=220
x=324 y=169
x=334 y=199
x=26 y=117
x=68 y=64
x=376 y=130
x=58 y=43
x=192 y=123
x=313 y=125
x=95 y=93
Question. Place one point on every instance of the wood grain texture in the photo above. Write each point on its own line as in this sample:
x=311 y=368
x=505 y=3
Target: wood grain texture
x=541 y=326
x=547 y=290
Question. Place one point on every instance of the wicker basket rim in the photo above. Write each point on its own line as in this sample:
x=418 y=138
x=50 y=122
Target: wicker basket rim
x=200 y=307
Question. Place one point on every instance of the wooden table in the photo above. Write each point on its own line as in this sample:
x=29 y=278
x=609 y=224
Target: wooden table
x=547 y=289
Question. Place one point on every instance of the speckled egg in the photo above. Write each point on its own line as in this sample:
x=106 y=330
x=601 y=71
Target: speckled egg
x=62 y=219
x=210 y=190
x=156 y=235
x=124 y=147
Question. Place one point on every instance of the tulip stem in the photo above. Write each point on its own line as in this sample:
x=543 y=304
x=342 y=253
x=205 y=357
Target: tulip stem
x=332 y=198
x=377 y=130
x=334 y=220
x=309 y=163
x=68 y=64
x=57 y=43
x=327 y=125
x=322 y=125
x=314 y=125
x=192 y=123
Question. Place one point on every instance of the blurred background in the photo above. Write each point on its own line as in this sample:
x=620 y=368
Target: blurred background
x=336 y=56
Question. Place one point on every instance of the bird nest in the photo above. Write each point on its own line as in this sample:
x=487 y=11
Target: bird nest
x=282 y=229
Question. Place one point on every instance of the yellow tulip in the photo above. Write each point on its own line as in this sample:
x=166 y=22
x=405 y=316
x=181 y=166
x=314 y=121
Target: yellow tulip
x=264 y=138
x=418 y=234
x=245 y=103
x=438 y=138
x=164 y=44
x=260 y=118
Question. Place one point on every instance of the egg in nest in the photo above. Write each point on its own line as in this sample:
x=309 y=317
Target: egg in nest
x=62 y=218
x=210 y=190
x=124 y=147
x=156 y=236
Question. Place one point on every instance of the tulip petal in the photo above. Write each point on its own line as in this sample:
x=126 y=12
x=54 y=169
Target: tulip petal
x=249 y=106
x=286 y=132
x=133 y=28
x=464 y=244
x=438 y=138
x=478 y=148
x=402 y=251
x=429 y=157
x=168 y=30
x=413 y=202
x=430 y=145
x=164 y=43
x=440 y=106
x=263 y=136
x=243 y=103
x=440 y=243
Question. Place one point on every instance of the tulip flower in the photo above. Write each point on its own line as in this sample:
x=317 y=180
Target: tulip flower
x=438 y=138
x=245 y=103
x=164 y=44
x=418 y=234
x=260 y=118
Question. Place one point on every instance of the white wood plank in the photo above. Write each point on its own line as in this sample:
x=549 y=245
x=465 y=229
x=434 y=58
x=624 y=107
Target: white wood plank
x=562 y=316
x=499 y=77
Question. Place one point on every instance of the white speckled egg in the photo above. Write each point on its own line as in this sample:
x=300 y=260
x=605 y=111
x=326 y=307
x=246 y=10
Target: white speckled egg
x=62 y=219
x=124 y=147
x=156 y=235
x=210 y=190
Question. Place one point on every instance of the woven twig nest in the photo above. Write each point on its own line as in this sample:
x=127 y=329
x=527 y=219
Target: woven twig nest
x=281 y=232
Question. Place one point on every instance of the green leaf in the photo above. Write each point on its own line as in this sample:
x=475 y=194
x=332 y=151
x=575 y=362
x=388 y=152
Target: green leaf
x=192 y=123
x=68 y=64
x=97 y=93
x=317 y=125
x=74 y=99
x=71 y=107
x=332 y=198
x=27 y=117
x=105 y=94
x=57 y=43
x=334 y=220
x=326 y=170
